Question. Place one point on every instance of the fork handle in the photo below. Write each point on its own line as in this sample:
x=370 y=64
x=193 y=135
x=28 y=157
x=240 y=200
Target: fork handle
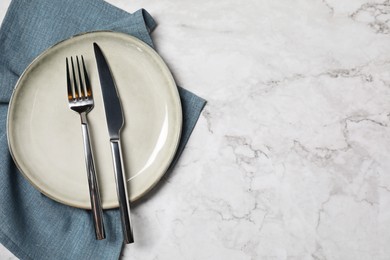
x=97 y=211
x=121 y=188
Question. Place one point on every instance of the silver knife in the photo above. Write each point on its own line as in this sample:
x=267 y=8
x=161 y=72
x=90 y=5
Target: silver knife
x=115 y=120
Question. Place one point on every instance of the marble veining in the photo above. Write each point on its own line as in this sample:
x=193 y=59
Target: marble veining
x=291 y=156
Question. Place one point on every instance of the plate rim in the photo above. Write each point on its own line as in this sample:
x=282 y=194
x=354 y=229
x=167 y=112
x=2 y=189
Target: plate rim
x=178 y=109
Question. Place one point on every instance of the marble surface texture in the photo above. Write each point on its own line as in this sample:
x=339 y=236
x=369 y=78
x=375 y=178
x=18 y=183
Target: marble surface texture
x=291 y=156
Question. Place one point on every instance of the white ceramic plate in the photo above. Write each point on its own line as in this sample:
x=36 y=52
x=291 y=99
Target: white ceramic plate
x=45 y=136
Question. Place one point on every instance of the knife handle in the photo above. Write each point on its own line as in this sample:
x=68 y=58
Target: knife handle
x=121 y=188
x=96 y=206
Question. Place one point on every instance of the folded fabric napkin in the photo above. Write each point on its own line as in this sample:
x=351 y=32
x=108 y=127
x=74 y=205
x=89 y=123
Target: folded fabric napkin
x=31 y=225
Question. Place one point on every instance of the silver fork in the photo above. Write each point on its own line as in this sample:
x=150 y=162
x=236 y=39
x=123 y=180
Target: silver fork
x=81 y=100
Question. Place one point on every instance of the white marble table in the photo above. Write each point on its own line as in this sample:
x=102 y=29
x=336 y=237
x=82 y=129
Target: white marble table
x=291 y=157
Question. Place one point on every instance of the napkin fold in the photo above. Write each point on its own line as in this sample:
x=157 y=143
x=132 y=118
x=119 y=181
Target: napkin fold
x=33 y=226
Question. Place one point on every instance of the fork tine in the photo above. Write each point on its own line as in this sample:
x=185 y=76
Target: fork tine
x=81 y=86
x=86 y=78
x=76 y=88
x=68 y=82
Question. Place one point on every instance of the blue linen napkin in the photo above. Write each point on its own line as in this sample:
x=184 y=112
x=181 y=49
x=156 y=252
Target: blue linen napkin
x=33 y=226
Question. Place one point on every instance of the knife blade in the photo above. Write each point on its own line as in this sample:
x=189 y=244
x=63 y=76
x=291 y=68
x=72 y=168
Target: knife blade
x=115 y=121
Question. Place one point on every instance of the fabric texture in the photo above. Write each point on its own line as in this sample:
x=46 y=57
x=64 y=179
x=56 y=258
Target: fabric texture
x=33 y=226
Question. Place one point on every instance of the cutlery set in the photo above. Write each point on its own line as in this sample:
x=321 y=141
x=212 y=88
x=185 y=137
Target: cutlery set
x=80 y=99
